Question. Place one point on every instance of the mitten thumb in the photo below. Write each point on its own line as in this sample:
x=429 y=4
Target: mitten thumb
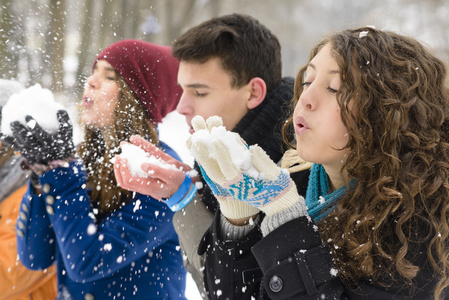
x=269 y=171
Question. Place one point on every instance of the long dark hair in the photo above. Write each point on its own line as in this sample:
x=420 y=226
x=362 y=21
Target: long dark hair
x=130 y=118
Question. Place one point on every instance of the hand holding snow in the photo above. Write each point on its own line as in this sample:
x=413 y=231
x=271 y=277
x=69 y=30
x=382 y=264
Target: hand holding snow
x=34 y=101
x=234 y=170
x=136 y=156
x=213 y=135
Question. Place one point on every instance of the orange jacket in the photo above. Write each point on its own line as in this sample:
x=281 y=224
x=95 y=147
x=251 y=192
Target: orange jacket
x=16 y=281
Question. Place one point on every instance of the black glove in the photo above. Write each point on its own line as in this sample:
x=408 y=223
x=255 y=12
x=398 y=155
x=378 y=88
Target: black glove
x=38 y=146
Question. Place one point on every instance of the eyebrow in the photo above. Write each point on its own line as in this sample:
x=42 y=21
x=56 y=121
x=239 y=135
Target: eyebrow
x=197 y=85
x=330 y=72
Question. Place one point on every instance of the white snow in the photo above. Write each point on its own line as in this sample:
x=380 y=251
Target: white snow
x=91 y=229
x=174 y=131
x=35 y=101
x=363 y=34
x=137 y=205
x=136 y=156
x=321 y=200
x=237 y=149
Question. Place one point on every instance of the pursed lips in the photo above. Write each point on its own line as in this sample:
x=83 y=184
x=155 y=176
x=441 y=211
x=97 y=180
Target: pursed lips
x=87 y=101
x=301 y=126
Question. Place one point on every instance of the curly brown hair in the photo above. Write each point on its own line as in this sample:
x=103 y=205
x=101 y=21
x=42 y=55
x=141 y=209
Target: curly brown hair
x=394 y=103
x=130 y=118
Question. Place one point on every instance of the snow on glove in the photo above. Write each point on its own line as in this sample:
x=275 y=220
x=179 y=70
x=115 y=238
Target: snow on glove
x=245 y=173
x=40 y=147
x=229 y=206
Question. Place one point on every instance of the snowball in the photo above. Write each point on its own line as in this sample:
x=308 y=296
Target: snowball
x=8 y=88
x=136 y=156
x=36 y=102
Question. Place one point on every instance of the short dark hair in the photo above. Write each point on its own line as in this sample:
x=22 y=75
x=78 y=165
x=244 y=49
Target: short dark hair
x=245 y=48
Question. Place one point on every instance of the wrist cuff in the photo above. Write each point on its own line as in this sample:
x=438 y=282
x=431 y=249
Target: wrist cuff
x=185 y=193
x=272 y=222
x=39 y=169
x=181 y=192
x=230 y=232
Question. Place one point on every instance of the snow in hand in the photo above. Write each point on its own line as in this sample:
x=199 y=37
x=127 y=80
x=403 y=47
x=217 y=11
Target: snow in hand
x=136 y=156
x=34 y=101
x=216 y=137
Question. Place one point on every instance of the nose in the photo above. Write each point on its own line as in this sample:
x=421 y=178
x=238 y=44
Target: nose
x=92 y=81
x=184 y=105
x=308 y=97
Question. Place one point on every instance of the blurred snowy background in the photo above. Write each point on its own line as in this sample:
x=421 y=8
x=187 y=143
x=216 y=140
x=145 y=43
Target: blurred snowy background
x=54 y=42
x=174 y=122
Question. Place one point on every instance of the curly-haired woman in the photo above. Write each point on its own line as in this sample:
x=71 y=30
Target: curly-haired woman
x=371 y=111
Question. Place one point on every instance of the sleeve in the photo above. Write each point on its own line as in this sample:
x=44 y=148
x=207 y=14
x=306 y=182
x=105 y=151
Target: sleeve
x=35 y=237
x=231 y=270
x=15 y=278
x=91 y=251
x=190 y=224
x=299 y=265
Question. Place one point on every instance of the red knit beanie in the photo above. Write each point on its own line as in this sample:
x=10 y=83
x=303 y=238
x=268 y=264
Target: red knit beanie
x=150 y=71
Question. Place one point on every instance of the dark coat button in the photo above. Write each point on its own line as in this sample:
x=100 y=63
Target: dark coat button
x=276 y=284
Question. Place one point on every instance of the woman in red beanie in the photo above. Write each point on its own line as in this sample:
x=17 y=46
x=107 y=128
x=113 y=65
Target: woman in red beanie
x=108 y=243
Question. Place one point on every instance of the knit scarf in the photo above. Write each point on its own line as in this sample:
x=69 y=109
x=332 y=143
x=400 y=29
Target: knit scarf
x=318 y=200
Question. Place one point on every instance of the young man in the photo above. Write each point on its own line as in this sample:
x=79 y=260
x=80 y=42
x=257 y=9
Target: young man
x=230 y=66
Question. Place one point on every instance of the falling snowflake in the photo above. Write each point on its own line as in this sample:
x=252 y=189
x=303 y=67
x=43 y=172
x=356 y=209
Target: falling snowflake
x=363 y=34
x=91 y=229
x=321 y=200
x=137 y=205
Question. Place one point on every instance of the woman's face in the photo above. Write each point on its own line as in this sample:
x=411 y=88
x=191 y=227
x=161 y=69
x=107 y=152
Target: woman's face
x=100 y=97
x=320 y=132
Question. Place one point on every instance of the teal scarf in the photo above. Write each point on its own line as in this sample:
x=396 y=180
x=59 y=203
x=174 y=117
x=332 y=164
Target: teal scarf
x=318 y=200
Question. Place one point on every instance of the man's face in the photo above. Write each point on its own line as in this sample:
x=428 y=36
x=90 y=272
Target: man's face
x=207 y=92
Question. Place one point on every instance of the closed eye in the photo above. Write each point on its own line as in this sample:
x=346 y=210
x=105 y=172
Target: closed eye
x=198 y=94
x=306 y=83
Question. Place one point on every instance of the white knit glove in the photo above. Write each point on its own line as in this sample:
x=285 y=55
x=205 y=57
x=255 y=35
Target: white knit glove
x=240 y=177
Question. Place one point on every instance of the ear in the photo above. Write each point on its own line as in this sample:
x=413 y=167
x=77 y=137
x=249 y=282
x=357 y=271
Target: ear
x=258 y=91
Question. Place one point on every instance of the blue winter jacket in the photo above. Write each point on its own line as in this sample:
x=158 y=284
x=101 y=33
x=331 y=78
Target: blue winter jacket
x=132 y=253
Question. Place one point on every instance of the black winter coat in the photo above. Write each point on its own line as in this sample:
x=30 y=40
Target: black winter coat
x=292 y=263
